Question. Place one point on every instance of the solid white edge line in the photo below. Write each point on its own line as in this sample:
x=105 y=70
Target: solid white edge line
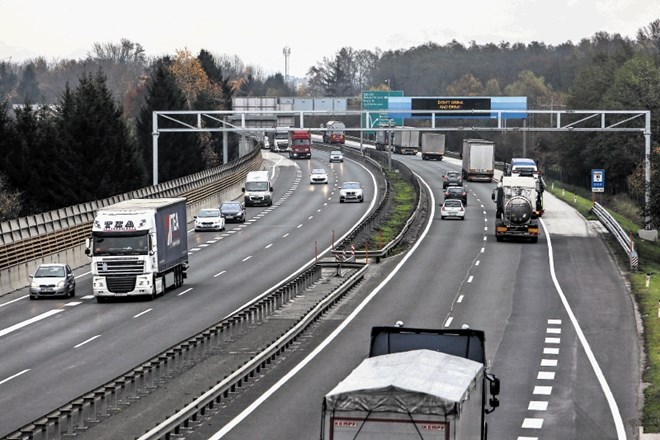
x=246 y=412
x=614 y=409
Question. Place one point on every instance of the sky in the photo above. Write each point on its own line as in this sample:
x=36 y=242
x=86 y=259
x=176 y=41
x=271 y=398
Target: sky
x=258 y=31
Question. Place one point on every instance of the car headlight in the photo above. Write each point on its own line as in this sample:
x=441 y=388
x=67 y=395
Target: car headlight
x=34 y=284
x=60 y=284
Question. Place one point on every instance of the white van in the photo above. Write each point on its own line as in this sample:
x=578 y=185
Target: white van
x=258 y=190
x=522 y=164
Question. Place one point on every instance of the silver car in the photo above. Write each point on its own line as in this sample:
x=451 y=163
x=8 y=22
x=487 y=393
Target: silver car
x=336 y=156
x=54 y=279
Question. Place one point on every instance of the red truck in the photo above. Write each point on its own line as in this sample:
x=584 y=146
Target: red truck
x=334 y=133
x=300 y=144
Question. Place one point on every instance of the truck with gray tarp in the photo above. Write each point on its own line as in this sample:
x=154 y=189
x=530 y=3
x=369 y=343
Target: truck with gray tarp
x=416 y=384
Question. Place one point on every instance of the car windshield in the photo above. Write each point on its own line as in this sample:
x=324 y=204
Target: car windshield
x=318 y=171
x=256 y=186
x=452 y=175
x=453 y=204
x=230 y=207
x=351 y=185
x=204 y=213
x=336 y=153
x=50 y=271
x=455 y=190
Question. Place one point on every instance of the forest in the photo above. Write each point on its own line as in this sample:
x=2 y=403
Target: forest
x=72 y=131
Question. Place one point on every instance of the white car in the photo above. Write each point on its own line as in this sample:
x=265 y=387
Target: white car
x=336 y=156
x=452 y=208
x=351 y=192
x=318 y=175
x=209 y=219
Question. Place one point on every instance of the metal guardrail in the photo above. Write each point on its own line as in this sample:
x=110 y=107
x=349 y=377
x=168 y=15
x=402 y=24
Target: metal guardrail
x=74 y=415
x=626 y=242
x=27 y=238
x=102 y=402
x=59 y=235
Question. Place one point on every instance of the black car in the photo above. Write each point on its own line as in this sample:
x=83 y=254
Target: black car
x=233 y=212
x=452 y=178
x=456 y=192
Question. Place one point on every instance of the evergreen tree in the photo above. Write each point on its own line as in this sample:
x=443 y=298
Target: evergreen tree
x=104 y=155
x=8 y=80
x=177 y=155
x=28 y=87
x=10 y=202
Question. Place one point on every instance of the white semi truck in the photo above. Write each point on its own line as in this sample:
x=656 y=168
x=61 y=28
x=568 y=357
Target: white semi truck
x=280 y=139
x=433 y=146
x=406 y=141
x=416 y=384
x=138 y=247
x=478 y=160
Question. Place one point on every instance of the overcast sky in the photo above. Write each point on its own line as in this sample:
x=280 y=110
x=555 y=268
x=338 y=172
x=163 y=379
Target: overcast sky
x=257 y=31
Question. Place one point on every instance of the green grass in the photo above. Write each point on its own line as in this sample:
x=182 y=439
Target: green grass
x=648 y=298
x=403 y=196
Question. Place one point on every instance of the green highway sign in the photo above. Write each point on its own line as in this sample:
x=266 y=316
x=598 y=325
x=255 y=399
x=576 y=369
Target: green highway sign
x=379 y=100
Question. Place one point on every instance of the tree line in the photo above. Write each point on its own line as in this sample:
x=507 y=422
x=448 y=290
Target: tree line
x=65 y=144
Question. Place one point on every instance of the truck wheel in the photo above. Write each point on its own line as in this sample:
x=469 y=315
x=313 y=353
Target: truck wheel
x=499 y=238
x=534 y=239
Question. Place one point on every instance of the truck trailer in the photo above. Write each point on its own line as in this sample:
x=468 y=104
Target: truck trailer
x=415 y=384
x=478 y=160
x=138 y=247
x=433 y=146
x=406 y=141
x=300 y=144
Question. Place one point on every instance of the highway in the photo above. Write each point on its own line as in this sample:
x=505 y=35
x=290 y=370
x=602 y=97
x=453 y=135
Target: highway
x=560 y=328
x=560 y=324
x=58 y=349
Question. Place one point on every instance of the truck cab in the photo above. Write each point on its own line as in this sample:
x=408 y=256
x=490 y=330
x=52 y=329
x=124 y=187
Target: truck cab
x=300 y=144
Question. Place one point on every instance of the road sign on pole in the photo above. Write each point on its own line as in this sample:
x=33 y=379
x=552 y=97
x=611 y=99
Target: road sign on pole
x=598 y=180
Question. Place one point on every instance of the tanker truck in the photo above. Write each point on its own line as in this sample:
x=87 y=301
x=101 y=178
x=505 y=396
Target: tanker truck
x=519 y=202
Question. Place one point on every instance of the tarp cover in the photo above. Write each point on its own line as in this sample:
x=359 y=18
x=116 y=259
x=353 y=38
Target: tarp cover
x=417 y=382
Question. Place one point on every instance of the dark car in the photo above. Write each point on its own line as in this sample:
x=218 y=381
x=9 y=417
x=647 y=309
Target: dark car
x=233 y=212
x=456 y=192
x=53 y=279
x=452 y=178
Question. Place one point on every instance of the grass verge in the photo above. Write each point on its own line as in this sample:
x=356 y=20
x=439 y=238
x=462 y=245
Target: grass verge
x=648 y=298
x=403 y=203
